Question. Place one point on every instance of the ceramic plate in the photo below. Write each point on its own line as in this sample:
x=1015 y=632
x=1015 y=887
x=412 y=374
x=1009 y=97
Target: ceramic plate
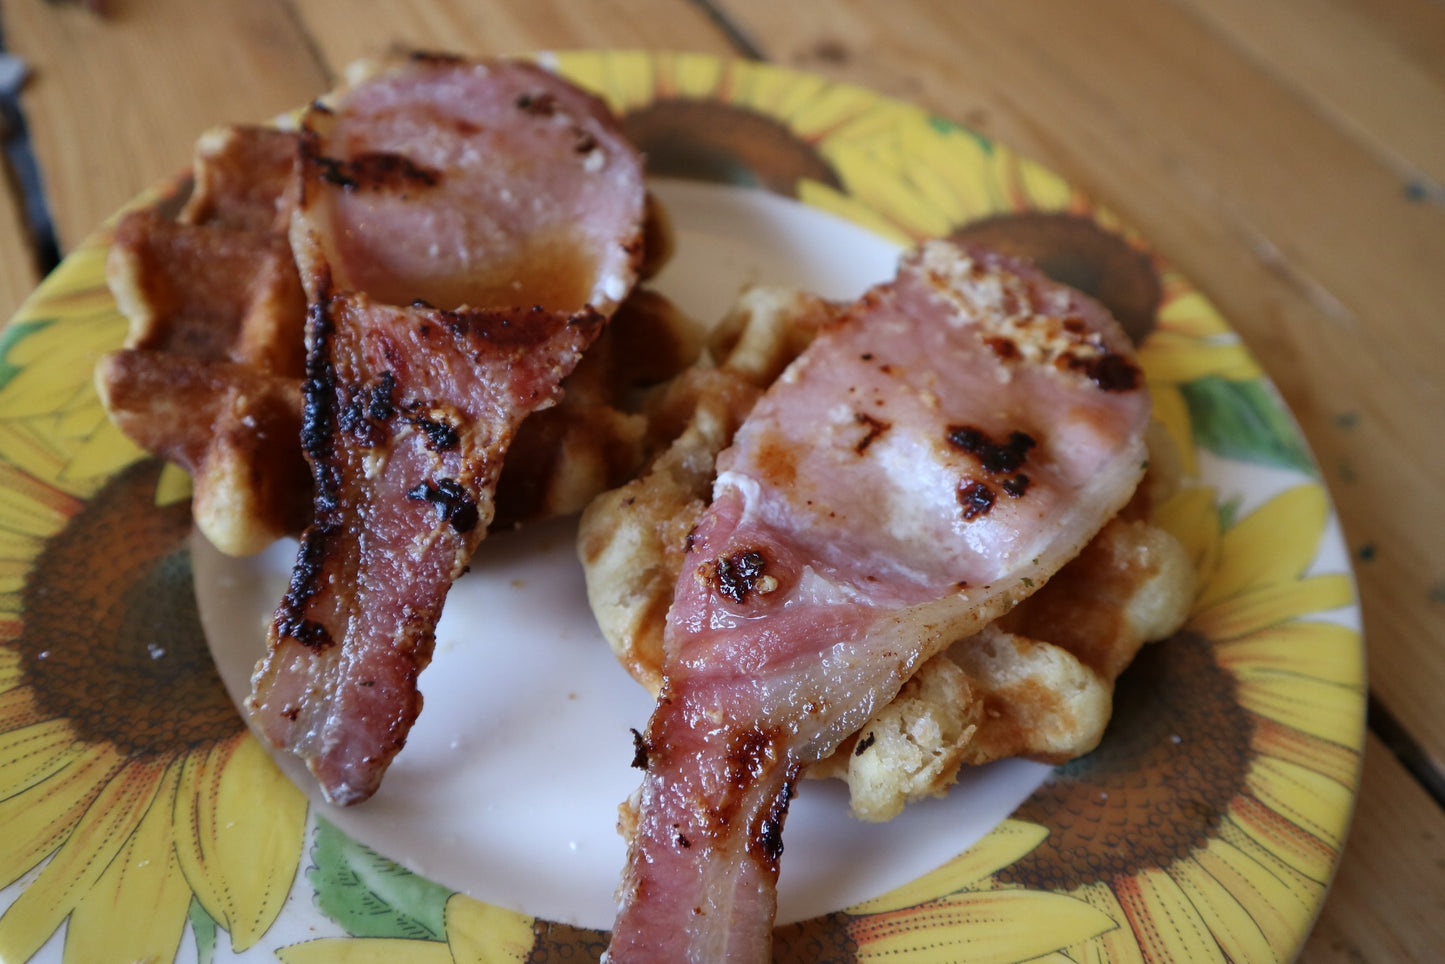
x=141 y=820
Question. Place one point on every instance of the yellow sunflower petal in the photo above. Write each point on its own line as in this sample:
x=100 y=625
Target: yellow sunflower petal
x=870 y=121
x=39 y=819
x=1310 y=891
x=832 y=108
x=174 y=485
x=1339 y=763
x=19 y=707
x=827 y=199
x=1090 y=953
x=81 y=422
x=137 y=909
x=46 y=385
x=99 y=328
x=695 y=75
x=13 y=573
x=1042 y=189
x=968 y=164
x=918 y=140
x=1309 y=800
x=1284 y=841
x=367 y=950
x=1262 y=608
x=796 y=94
x=1176 y=360
x=629 y=80
x=1190 y=517
x=12 y=583
x=1171 y=411
x=1279 y=911
x=239 y=830
x=1230 y=923
x=1004 y=845
x=1324 y=651
x=101 y=455
x=483 y=934
x=992 y=926
x=1117 y=946
x=1329 y=711
x=34 y=453
x=33 y=753
x=101 y=833
x=873 y=179
x=1272 y=545
x=585 y=68
x=12 y=666
x=1168 y=926
x=1187 y=312
x=83 y=293
x=31 y=507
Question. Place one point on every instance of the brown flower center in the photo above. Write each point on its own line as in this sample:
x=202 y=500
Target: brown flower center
x=1176 y=752
x=112 y=638
x=710 y=141
x=1076 y=251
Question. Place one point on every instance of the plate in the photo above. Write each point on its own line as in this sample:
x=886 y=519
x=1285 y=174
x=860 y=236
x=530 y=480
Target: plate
x=143 y=821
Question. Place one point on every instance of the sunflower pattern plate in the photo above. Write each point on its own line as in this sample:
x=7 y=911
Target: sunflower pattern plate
x=140 y=820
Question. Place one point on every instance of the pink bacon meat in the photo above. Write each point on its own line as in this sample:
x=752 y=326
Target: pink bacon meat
x=935 y=454
x=463 y=231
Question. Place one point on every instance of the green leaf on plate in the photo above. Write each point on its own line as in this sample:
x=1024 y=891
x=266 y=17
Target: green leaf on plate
x=1229 y=512
x=203 y=925
x=371 y=896
x=13 y=335
x=1245 y=421
x=945 y=126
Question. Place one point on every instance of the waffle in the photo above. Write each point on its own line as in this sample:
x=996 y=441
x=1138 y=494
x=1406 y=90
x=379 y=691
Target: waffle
x=210 y=375
x=1037 y=684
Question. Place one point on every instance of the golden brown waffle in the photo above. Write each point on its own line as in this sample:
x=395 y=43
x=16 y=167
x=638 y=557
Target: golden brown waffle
x=210 y=375
x=1037 y=684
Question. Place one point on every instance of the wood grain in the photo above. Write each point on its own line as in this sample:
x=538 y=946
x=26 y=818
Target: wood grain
x=345 y=31
x=1386 y=903
x=1309 y=242
x=1330 y=55
x=114 y=104
x=17 y=264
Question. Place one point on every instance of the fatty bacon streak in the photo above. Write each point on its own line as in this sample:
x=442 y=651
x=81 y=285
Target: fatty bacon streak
x=935 y=454
x=430 y=195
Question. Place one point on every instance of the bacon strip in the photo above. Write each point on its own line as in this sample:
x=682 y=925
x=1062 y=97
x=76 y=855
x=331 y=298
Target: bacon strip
x=463 y=231
x=935 y=454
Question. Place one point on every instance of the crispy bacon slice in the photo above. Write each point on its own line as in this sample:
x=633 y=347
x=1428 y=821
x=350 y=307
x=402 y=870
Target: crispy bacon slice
x=935 y=454
x=463 y=230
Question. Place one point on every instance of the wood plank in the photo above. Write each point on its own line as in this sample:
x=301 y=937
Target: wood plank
x=1305 y=240
x=1386 y=903
x=17 y=263
x=344 y=30
x=1416 y=26
x=1335 y=55
x=115 y=103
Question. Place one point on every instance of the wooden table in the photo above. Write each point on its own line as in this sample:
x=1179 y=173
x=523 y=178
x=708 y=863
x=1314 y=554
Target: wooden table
x=1288 y=157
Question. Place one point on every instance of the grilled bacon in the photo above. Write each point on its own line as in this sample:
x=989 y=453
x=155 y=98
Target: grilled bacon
x=463 y=230
x=935 y=454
